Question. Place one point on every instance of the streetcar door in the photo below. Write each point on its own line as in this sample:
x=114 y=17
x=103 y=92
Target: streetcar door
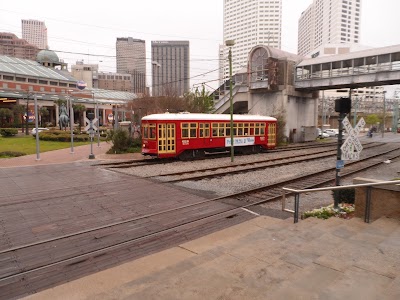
x=166 y=138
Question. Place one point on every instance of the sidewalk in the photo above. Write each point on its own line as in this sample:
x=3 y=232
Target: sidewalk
x=81 y=153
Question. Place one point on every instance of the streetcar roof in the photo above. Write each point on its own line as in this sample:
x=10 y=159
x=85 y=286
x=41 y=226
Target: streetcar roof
x=204 y=117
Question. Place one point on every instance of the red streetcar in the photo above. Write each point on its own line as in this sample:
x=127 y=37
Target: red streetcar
x=187 y=136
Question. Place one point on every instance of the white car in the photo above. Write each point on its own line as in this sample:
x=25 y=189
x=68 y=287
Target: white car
x=321 y=134
x=332 y=132
x=40 y=129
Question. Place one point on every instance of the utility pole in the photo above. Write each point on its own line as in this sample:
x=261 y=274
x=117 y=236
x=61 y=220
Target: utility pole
x=384 y=114
x=230 y=43
x=27 y=115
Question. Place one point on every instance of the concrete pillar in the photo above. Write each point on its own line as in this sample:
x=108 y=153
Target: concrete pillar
x=104 y=117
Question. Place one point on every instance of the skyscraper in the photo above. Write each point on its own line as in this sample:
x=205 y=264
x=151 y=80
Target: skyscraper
x=329 y=22
x=170 y=68
x=131 y=59
x=250 y=23
x=35 y=33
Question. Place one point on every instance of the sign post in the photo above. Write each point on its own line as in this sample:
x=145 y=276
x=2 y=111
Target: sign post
x=91 y=129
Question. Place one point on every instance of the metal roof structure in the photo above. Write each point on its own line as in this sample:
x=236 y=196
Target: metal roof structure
x=352 y=55
x=18 y=67
x=30 y=68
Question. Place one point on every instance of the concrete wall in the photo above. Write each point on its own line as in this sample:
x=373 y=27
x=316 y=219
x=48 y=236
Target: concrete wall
x=385 y=200
x=300 y=111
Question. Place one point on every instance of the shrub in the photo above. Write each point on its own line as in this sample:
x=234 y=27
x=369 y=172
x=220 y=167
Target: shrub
x=11 y=154
x=62 y=136
x=7 y=132
x=120 y=139
x=345 y=211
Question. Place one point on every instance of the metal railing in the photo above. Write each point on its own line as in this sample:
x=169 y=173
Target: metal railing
x=367 y=202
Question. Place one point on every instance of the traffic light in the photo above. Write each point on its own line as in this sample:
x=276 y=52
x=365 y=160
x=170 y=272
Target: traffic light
x=343 y=105
x=90 y=116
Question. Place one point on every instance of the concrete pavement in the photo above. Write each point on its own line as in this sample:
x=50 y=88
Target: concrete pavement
x=264 y=258
x=81 y=153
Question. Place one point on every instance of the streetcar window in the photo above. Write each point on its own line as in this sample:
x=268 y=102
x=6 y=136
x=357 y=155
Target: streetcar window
x=246 y=129
x=214 y=129
x=189 y=130
x=185 y=130
x=240 y=129
x=257 y=129
x=262 y=129
x=193 y=130
x=251 y=127
x=149 y=131
x=145 y=132
x=204 y=130
x=235 y=129
x=221 y=129
x=152 y=131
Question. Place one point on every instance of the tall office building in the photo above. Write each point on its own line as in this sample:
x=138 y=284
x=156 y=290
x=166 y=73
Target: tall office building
x=250 y=23
x=328 y=22
x=35 y=33
x=131 y=59
x=170 y=68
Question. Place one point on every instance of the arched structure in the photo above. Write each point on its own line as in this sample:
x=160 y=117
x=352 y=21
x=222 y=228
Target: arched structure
x=266 y=87
x=49 y=59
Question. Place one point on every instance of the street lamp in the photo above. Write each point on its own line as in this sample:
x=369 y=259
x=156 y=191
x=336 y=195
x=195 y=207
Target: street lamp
x=230 y=44
x=98 y=119
x=37 y=129
x=71 y=119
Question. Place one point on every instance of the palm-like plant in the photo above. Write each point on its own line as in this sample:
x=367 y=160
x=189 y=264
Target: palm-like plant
x=5 y=115
x=43 y=113
x=19 y=111
x=79 y=108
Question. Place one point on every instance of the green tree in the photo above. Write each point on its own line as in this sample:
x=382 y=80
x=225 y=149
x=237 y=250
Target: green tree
x=79 y=108
x=5 y=115
x=200 y=101
x=19 y=111
x=372 y=119
x=120 y=139
x=44 y=112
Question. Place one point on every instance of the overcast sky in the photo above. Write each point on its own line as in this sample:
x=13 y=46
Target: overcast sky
x=87 y=30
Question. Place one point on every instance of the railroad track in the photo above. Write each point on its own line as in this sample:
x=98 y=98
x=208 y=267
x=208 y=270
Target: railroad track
x=221 y=171
x=152 y=161
x=86 y=251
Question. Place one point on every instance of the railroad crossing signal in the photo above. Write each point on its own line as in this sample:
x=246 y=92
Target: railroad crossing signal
x=352 y=147
x=90 y=124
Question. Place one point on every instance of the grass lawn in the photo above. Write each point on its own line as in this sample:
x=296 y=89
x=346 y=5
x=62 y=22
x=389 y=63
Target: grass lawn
x=27 y=144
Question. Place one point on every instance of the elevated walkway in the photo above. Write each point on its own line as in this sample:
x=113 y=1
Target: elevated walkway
x=372 y=67
x=264 y=258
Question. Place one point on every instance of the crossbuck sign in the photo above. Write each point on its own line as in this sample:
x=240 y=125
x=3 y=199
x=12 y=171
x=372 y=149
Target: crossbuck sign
x=352 y=147
x=91 y=128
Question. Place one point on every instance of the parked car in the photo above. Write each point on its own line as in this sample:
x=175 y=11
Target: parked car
x=332 y=132
x=321 y=134
x=40 y=129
